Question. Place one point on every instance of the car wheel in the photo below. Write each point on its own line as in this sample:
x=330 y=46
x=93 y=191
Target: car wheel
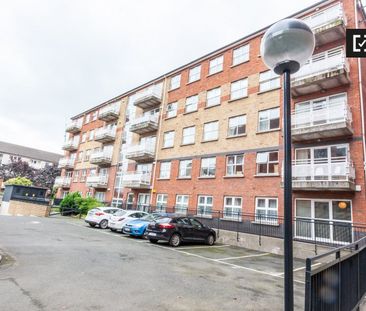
x=154 y=241
x=144 y=235
x=175 y=240
x=210 y=240
x=103 y=224
x=92 y=225
x=114 y=230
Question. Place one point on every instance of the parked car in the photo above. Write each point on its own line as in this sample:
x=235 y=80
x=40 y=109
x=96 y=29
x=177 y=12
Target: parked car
x=99 y=216
x=120 y=218
x=178 y=229
x=137 y=227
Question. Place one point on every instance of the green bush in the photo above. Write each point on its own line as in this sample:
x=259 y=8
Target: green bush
x=74 y=202
x=23 y=181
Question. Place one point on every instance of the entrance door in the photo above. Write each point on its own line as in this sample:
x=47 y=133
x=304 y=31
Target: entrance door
x=143 y=202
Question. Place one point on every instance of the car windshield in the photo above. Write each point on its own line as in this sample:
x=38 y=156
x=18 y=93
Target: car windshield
x=149 y=217
x=120 y=213
x=163 y=220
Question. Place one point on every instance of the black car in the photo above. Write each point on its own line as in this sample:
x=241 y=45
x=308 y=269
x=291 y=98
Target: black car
x=180 y=229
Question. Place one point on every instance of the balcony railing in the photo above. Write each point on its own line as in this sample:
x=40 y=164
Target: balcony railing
x=97 y=181
x=136 y=180
x=71 y=145
x=148 y=99
x=324 y=71
x=101 y=158
x=141 y=153
x=66 y=163
x=74 y=126
x=145 y=124
x=333 y=119
x=105 y=134
x=62 y=181
x=109 y=112
x=337 y=173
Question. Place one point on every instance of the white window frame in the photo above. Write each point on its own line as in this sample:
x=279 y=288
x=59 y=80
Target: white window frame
x=263 y=158
x=269 y=80
x=204 y=209
x=194 y=74
x=181 y=203
x=235 y=164
x=75 y=176
x=264 y=116
x=175 y=82
x=207 y=131
x=242 y=54
x=161 y=202
x=239 y=89
x=208 y=167
x=168 y=139
x=165 y=171
x=216 y=65
x=191 y=104
x=235 y=210
x=188 y=135
x=171 y=110
x=266 y=216
x=213 y=97
x=184 y=167
x=235 y=126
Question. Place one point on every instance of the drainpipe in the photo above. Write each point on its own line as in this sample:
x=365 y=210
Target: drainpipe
x=357 y=2
x=164 y=90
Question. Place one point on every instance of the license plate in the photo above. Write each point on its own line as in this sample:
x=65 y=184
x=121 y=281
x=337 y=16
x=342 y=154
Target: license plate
x=152 y=234
x=127 y=229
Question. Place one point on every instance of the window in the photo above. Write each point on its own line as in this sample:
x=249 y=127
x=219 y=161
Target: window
x=100 y=196
x=168 y=139
x=175 y=82
x=216 y=65
x=165 y=170
x=194 y=74
x=83 y=137
x=235 y=165
x=241 y=55
x=87 y=118
x=83 y=175
x=232 y=208
x=87 y=155
x=267 y=163
x=89 y=194
x=237 y=125
x=189 y=134
x=185 y=168
x=208 y=167
x=80 y=156
x=269 y=119
x=204 y=206
x=268 y=80
x=75 y=177
x=239 y=89
x=94 y=116
x=211 y=131
x=171 y=110
x=266 y=210
x=181 y=204
x=91 y=135
x=161 y=202
x=191 y=103
x=213 y=97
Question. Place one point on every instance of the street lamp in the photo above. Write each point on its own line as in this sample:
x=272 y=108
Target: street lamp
x=285 y=47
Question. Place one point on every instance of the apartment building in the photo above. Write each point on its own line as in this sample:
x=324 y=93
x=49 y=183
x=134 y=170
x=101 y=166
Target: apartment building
x=207 y=136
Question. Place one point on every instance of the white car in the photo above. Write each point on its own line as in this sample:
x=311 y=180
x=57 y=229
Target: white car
x=120 y=218
x=99 y=216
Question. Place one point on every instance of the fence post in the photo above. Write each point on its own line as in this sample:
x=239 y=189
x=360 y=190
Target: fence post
x=218 y=224
x=260 y=229
x=308 y=288
x=237 y=229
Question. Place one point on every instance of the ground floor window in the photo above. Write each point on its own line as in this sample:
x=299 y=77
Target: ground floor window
x=161 y=202
x=181 y=204
x=100 y=196
x=232 y=207
x=204 y=206
x=117 y=202
x=266 y=210
x=143 y=202
x=65 y=193
x=324 y=220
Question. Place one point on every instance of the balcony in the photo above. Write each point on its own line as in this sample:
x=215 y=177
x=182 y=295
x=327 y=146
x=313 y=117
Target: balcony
x=136 y=180
x=62 y=182
x=74 y=126
x=148 y=99
x=337 y=174
x=328 y=25
x=97 y=181
x=71 y=145
x=323 y=71
x=109 y=112
x=323 y=121
x=66 y=163
x=145 y=124
x=141 y=153
x=101 y=158
x=105 y=134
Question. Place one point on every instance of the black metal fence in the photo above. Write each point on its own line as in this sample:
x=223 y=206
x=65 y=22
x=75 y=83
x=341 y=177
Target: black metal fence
x=336 y=281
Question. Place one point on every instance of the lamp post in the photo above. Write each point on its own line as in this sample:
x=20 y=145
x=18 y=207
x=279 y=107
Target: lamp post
x=285 y=47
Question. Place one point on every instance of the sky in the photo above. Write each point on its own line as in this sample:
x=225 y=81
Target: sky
x=59 y=58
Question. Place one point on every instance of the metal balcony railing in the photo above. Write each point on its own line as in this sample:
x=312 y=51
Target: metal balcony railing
x=74 y=126
x=145 y=119
x=71 y=144
x=101 y=157
x=147 y=99
x=97 y=181
x=66 y=162
x=325 y=17
x=109 y=112
x=62 y=181
x=105 y=134
x=136 y=180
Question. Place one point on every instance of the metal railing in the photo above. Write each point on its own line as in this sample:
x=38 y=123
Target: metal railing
x=136 y=178
x=140 y=149
x=100 y=155
x=62 y=181
x=97 y=180
x=145 y=119
x=336 y=280
x=105 y=132
x=66 y=162
x=74 y=125
x=111 y=108
x=325 y=17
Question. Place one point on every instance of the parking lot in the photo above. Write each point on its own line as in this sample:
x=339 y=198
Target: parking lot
x=63 y=264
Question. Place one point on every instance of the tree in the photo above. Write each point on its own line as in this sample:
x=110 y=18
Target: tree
x=74 y=203
x=19 y=181
x=17 y=169
x=46 y=176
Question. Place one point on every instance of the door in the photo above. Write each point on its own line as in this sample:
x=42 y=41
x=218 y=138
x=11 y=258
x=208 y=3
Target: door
x=185 y=228
x=129 y=202
x=199 y=231
x=143 y=202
